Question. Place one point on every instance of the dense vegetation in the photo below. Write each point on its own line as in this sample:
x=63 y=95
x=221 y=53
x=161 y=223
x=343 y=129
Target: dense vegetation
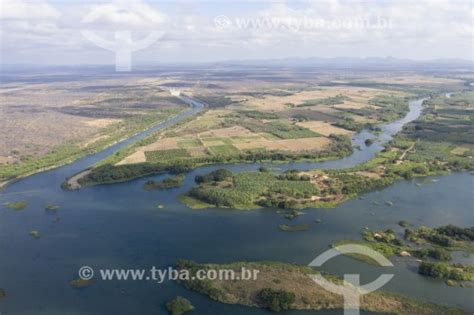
x=179 y=306
x=424 y=243
x=449 y=236
x=279 y=128
x=331 y=100
x=215 y=101
x=163 y=155
x=438 y=270
x=276 y=300
x=258 y=114
x=215 y=176
x=168 y=183
x=393 y=107
x=222 y=188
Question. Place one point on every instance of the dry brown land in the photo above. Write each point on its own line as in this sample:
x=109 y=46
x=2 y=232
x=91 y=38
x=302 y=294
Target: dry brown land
x=309 y=295
x=35 y=118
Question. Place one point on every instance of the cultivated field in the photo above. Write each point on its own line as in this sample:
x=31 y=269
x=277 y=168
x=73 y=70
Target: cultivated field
x=262 y=117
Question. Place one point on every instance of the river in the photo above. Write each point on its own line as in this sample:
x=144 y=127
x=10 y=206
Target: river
x=120 y=226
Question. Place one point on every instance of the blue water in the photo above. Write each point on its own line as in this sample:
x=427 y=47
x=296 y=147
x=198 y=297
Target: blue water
x=120 y=226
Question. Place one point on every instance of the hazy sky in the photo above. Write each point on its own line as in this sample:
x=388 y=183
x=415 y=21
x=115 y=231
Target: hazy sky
x=59 y=31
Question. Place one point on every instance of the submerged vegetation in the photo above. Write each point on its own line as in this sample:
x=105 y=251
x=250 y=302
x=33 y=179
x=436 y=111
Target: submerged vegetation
x=432 y=245
x=294 y=228
x=17 y=205
x=51 y=207
x=35 y=234
x=80 y=283
x=440 y=270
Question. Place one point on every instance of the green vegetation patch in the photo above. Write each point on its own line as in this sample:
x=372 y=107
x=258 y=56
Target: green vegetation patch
x=216 y=101
x=226 y=150
x=179 y=306
x=250 y=189
x=258 y=114
x=35 y=234
x=392 y=107
x=16 y=205
x=331 y=100
x=449 y=237
x=189 y=143
x=440 y=270
x=168 y=183
x=294 y=228
x=276 y=300
x=281 y=129
x=423 y=243
x=51 y=207
x=163 y=155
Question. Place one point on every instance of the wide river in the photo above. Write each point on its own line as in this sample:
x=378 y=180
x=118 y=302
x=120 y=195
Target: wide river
x=120 y=226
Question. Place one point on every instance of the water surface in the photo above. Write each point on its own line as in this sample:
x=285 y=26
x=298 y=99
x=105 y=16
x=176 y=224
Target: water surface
x=120 y=226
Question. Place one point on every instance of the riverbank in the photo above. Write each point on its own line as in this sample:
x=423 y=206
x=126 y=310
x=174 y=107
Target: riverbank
x=70 y=153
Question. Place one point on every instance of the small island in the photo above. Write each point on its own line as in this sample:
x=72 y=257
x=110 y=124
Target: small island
x=274 y=289
x=17 y=205
x=179 y=306
x=432 y=246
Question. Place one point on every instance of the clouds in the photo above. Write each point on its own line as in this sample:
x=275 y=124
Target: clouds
x=424 y=29
x=132 y=14
x=27 y=10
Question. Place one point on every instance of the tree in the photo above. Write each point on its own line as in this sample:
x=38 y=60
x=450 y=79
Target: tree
x=179 y=306
x=276 y=300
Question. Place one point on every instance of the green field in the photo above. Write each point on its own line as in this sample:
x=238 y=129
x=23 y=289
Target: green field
x=163 y=155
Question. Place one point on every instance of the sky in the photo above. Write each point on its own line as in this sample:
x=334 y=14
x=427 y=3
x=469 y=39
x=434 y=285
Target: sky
x=184 y=31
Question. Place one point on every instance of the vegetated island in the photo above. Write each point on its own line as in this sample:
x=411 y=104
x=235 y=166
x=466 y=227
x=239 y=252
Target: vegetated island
x=439 y=141
x=16 y=205
x=275 y=289
x=432 y=246
x=179 y=305
x=253 y=132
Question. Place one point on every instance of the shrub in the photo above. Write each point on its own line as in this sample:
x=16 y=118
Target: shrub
x=276 y=300
x=215 y=176
x=179 y=306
